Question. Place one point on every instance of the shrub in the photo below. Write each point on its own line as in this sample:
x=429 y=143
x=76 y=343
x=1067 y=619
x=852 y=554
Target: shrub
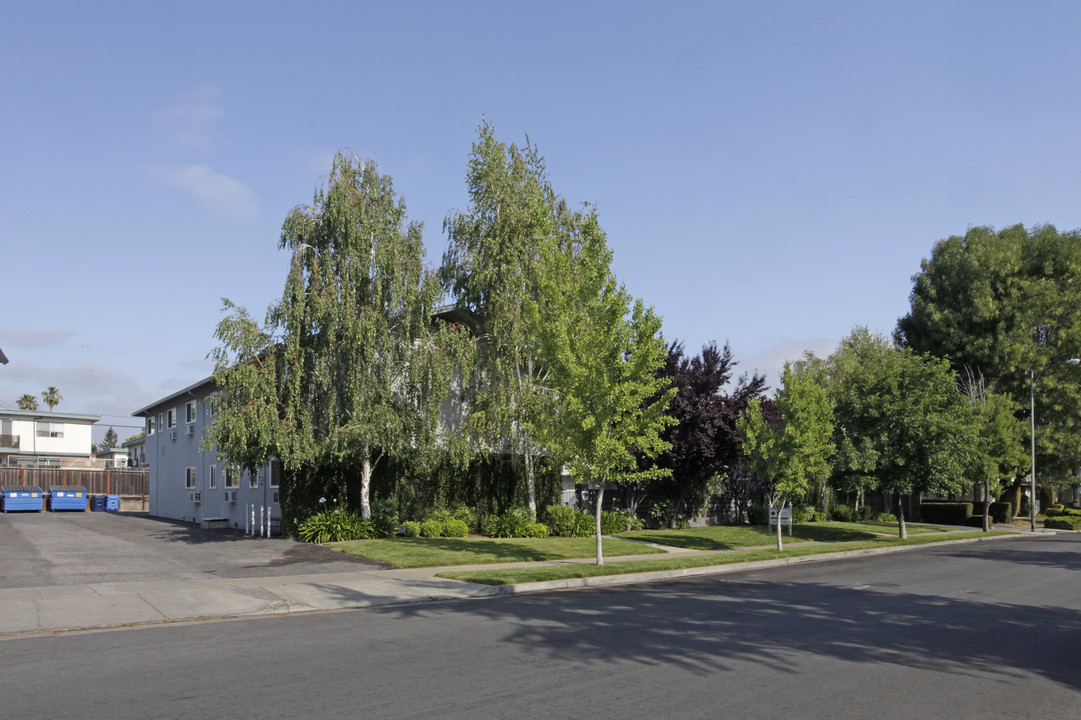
x=660 y=512
x=802 y=514
x=1001 y=512
x=334 y=526
x=512 y=524
x=565 y=521
x=455 y=528
x=843 y=513
x=946 y=513
x=1063 y=522
x=431 y=528
x=866 y=513
x=411 y=528
x=758 y=515
x=885 y=517
x=614 y=522
x=536 y=530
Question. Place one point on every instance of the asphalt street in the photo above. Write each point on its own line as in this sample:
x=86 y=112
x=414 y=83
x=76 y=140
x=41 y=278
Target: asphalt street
x=986 y=630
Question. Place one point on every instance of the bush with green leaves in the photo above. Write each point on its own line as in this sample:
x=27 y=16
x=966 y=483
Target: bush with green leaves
x=511 y=524
x=536 y=530
x=615 y=521
x=802 y=514
x=565 y=521
x=411 y=528
x=431 y=528
x=844 y=513
x=885 y=517
x=334 y=526
x=455 y=528
x=946 y=513
x=1063 y=522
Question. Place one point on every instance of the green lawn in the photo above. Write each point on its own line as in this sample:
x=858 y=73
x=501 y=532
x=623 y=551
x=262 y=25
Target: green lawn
x=441 y=552
x=731 y=537
x=541 y=573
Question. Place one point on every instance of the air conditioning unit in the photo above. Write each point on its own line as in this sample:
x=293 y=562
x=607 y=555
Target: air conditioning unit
x=230 y=496
x=190 y=430
x=196 y=497
x=172 y=435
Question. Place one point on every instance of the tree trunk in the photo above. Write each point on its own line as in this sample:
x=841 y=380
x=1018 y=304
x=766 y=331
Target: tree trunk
x=365 y=487
x=597 y=514
x=986 y=505
x=901 y=518
x=780 y=543
x=530 y=480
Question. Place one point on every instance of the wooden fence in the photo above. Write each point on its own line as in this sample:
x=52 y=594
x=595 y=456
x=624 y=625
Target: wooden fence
x=130 y=482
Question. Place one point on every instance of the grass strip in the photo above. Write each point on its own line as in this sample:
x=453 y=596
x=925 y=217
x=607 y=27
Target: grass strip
x=731 y=537
x=542 y=573
x=441 y=552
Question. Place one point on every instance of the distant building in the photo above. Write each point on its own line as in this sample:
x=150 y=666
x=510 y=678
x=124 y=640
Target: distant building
x=40 y=437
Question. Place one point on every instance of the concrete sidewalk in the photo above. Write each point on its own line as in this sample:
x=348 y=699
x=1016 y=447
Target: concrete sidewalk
x=35 y=610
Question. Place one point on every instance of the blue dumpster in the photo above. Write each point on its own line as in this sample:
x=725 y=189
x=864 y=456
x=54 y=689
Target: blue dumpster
x=97 y=503
x=21 y=497
x=112 y=503
x=67 y=497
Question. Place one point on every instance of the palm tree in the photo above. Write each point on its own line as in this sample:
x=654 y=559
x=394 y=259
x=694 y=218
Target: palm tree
x=52 y=397
x=27 y=402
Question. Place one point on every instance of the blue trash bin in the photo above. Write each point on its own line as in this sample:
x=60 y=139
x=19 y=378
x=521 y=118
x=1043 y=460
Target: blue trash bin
x=68 y=497
x=21 y=498
x=97 y=503
x=112 y=503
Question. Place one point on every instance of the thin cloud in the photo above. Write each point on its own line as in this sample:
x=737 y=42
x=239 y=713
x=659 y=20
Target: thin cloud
x=35 y=339
x=771 y=362
x=218 y=192
x=191 y=119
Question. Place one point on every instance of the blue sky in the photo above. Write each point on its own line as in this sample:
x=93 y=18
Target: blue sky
x=768 y=173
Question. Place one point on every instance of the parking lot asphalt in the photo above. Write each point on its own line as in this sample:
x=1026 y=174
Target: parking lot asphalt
x=79 y=548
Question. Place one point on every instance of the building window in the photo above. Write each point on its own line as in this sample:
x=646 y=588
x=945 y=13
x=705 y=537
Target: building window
x=210 y=406
x=150 y=425
x=253 y=480
x=212 y=477
x=170 y=418
x=189 y=478
x=191 y=412
x=275 y=473
x=232 y=477
x=50 y=429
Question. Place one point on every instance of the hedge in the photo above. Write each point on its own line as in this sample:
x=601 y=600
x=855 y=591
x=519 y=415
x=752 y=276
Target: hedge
x=1063 y=522
x=946 y=513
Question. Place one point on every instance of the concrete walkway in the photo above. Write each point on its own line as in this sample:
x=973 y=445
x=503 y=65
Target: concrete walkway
x=65 y=608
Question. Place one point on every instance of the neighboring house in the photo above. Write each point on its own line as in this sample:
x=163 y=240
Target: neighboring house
x=116 y=457
x=136 y=448
x=188 y=482
x=41 y=437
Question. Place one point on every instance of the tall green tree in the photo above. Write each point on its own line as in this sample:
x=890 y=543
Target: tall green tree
x=792 y=455
x=350 y=366
x=27 y=402
x=52 y=397
x=905 y=414
x=999 y=453
x=602 y=352
x=1004 y=305
x=109 y=441
x=490 y=267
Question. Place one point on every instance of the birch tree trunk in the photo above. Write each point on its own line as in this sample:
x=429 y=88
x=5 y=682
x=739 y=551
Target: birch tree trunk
x=597 y=517
x=901 y=518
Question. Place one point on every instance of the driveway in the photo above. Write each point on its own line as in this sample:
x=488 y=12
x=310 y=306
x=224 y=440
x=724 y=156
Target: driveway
x=75 y=548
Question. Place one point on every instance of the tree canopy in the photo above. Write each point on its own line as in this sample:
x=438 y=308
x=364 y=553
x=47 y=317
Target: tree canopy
x=1005 y=305
x=350 y=365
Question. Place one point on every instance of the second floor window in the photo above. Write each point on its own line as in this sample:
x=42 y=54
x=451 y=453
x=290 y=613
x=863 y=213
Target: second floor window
x=50 y=430
x=190 y=412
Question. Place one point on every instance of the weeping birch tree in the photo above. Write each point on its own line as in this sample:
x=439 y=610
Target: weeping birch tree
x=350 y=366
x=490 y=267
